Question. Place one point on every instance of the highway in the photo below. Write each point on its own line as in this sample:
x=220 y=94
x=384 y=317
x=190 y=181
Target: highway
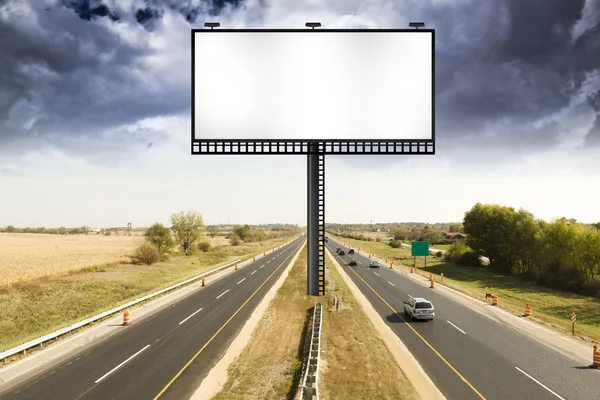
x=468 y=355
x=168 y=354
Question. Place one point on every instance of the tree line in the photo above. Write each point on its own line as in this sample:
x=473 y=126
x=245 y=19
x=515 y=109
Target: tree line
x=397 y=236
x=185 y=234
x=563 y=254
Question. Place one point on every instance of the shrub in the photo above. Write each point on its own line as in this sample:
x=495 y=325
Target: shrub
x=470 y=258
x=235 y=240
x=439 y=254
x=146 y=253
x=204 y=246
x=395 y=244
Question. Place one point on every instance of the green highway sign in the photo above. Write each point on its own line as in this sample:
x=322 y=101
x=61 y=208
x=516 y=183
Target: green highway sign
x=420 y=249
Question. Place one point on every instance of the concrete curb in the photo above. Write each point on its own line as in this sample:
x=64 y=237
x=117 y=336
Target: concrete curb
x=423 y=385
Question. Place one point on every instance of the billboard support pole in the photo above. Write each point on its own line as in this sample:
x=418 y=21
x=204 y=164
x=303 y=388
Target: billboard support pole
x=315 y=271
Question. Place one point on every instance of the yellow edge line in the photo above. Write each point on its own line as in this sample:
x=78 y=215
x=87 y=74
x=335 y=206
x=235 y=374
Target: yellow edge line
x=220 y=329
x=421 y=337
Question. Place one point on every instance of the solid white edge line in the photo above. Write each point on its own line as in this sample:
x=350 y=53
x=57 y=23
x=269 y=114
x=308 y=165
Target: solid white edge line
x=539 y=383
x=196 y=312
x=391 y=283
x=456 y=327
x=120 y=365
x=241 y=281
x=252 y=273
x=223 y=293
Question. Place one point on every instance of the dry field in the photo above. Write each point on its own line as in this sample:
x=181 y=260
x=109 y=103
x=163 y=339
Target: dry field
x=26 y=256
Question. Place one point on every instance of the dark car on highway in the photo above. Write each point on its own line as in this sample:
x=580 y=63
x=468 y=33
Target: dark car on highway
x=342 y=253
x=351 y=251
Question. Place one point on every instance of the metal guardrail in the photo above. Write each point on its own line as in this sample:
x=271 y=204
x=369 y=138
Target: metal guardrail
x=310 y=383
x=39 y=341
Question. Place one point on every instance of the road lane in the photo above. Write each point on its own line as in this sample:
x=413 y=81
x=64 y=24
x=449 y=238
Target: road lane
x=171 y=344
x=486 y=354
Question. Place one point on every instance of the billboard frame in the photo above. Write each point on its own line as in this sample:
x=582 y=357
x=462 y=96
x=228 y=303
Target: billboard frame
x=316 y=146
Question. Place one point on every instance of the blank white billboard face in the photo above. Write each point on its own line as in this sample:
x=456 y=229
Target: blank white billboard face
x=313 y=85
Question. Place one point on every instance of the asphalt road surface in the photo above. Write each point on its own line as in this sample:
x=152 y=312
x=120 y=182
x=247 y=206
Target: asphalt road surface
x=168 y=354
x=467 y=355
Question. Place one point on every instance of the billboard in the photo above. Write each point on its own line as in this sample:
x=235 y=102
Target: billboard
x=257 y=91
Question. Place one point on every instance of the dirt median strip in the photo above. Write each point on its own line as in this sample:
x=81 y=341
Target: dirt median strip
x=400 y=355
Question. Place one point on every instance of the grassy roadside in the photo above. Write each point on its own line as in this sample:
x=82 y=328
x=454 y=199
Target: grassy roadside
x=551 y=307
x=34 y=308
x=356 y=363
x=269 y=367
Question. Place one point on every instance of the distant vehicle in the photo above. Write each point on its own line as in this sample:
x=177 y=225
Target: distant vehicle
x=419 y=308
x=338 y=250
x=342 y=253
x=374 y=264
x=352 y=262
x=351 y=251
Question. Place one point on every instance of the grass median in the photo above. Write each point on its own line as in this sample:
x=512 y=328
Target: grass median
x=37 y=307
x=355 y=361
x=551 y=307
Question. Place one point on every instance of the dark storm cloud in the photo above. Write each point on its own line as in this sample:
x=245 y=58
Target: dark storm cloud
x=592 y=138
x=523 y=67
x=502 y=66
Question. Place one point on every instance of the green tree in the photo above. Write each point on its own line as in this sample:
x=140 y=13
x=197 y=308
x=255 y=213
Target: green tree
x=146 y=253
x=491 y=229
x=415 y=233
x=400 y=234
x=456 y=228
x=187 y=228
x=212 y=230
x=243 y=232
x=160 y=236
x=62 y=230
x=432 y=235
x=10 y=229
x=234 y=239
x=596 y=225
x=86 y=229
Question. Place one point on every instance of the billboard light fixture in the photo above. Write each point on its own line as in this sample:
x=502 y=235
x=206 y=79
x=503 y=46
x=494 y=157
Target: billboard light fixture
x=312 y=25
x=416 y=25
x=212 y=25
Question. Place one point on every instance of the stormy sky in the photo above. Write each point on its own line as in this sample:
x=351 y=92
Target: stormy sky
x=95 y=115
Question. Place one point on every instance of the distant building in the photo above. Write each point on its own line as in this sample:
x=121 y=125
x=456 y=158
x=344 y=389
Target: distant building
x=454 y=235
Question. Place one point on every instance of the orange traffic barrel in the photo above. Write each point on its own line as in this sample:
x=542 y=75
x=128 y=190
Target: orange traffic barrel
x=236 y=266
x=430 y=277
x=203 y=283
x=494 y=300
x=253 y=258
x=412 y=270
x=596 y=361
x=432 y=283
x=528 y=310
x=126 y=318
x=391 y=264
